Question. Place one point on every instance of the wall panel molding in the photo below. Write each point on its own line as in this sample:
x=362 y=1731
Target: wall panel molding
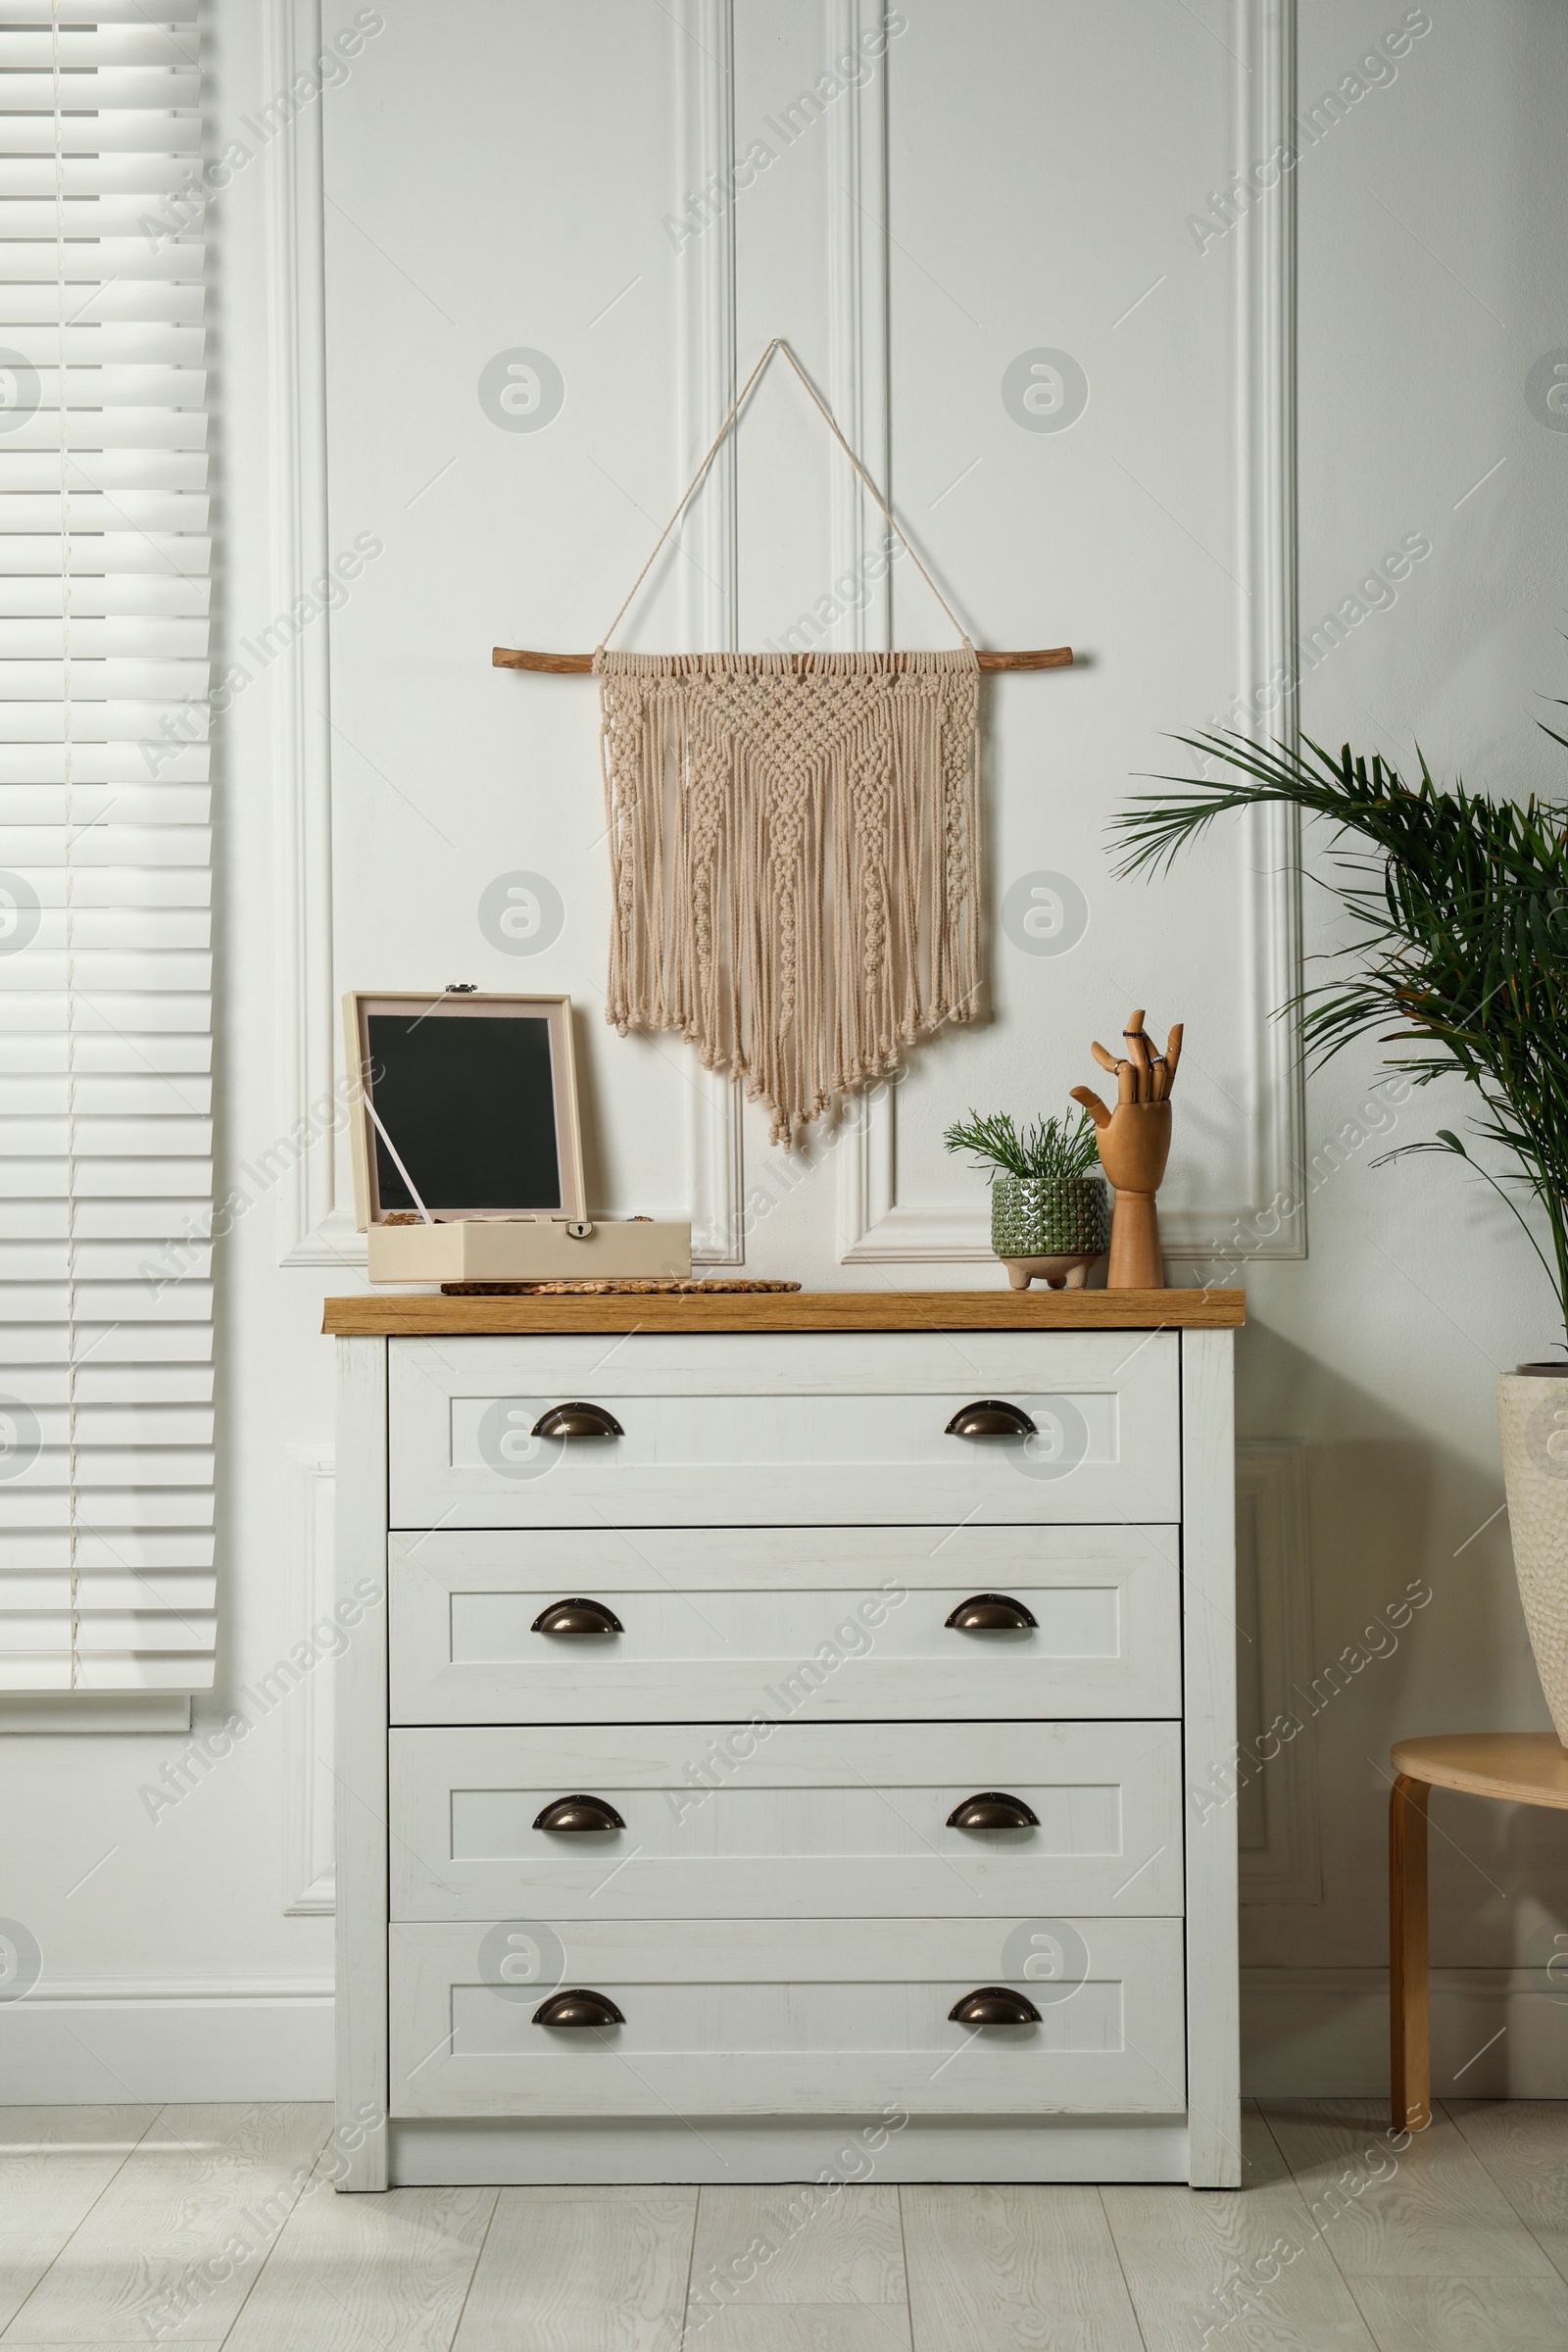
x=874 y=1224
x=1266 y=506
x=704 y=146
x=859 y=352
x=309 y=1864
x=312 y=1231
x=1277 y=1803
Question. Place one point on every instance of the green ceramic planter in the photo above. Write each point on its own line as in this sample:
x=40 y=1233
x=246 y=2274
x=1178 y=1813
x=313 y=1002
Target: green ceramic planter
x=1049 y=1216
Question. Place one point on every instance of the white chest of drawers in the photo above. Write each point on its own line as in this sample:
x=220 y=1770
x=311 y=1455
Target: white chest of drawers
x=862 y=1717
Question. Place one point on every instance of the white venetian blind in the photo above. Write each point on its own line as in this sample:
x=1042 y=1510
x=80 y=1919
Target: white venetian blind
x=105 y=1507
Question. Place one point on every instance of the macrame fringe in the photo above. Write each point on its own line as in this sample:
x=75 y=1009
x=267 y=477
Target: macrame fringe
x=795 y=856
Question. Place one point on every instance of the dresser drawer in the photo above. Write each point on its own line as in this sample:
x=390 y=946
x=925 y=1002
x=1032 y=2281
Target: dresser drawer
x=717 y=1822
x=719 y=1624
x=785 y=1430
x=787 y=2017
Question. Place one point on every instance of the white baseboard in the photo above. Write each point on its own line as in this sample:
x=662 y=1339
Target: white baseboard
x=1323 y=2032
x=128 y=2043
x=309 y=1874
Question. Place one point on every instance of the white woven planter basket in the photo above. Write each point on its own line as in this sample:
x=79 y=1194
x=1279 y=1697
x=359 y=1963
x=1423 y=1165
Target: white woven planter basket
x=1532 y=1415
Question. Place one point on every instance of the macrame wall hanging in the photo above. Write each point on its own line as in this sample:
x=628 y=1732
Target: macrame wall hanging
x=794 y=843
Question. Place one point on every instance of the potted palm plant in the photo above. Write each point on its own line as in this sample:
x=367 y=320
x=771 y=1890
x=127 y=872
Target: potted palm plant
x=1460 y=965
x=1049 y=1216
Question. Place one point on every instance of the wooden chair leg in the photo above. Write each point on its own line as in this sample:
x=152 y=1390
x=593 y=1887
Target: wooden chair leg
x=1409 y=2011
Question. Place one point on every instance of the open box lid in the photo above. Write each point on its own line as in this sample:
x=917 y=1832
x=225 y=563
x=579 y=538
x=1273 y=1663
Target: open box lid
x=465 y=1101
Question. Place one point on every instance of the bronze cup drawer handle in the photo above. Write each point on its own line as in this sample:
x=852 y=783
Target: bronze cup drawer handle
x=991 y=1418
x=578 y=1813
x=992 y=1613
x=578 y=2008
x=990 y=1810
x=577 y=1421
x=994 y=2005
x=576 y=1617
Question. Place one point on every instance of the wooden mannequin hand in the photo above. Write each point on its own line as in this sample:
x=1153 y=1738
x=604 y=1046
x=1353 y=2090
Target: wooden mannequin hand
x=1133 y=1143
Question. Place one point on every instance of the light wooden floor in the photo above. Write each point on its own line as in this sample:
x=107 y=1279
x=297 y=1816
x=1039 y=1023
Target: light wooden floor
x=209 y=2225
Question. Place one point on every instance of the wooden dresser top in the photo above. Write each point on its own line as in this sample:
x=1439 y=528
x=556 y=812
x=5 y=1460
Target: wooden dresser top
x=425 y=1314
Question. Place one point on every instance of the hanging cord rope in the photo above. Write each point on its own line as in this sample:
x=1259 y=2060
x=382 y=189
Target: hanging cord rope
x=779 y=344
x=794 y=848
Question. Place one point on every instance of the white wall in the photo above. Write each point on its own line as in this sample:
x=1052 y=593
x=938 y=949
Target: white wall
x=173 y=1969
x=1429 y=287
x=498 y=178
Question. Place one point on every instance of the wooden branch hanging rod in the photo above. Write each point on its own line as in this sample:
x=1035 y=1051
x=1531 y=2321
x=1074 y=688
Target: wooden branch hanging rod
x=562 y=665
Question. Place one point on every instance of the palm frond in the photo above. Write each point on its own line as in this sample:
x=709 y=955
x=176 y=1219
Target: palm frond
x=1458 y=962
